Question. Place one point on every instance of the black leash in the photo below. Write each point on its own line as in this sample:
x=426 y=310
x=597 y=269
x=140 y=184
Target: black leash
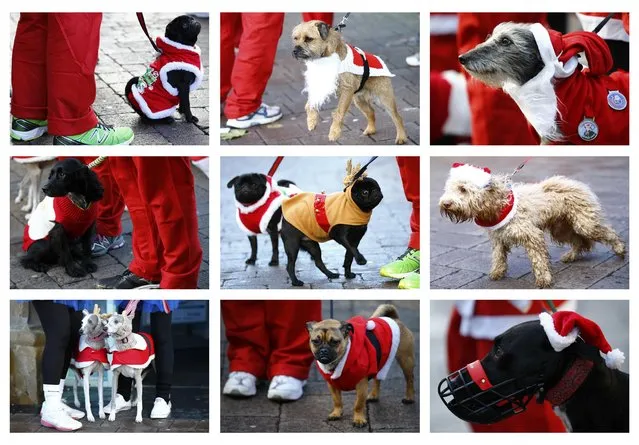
x=367 y=70
x=342 y=24
x=603 y=22
x=331 y=309
x=146 y=31
x=552 y=306
x=361 y=171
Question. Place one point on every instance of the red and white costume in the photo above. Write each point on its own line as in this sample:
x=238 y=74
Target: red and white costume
x=153 y=94
x=617 y=28
x=354 y=63
x=361 y=359
x=473 y=326
x=85 y=355
x=61 y=210
x=449 y=106
x=140 y=356
x=567 y=104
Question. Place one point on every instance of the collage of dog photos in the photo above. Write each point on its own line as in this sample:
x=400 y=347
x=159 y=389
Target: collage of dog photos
x=250 y=253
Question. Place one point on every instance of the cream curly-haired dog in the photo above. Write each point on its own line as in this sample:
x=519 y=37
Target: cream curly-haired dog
x=519 y=214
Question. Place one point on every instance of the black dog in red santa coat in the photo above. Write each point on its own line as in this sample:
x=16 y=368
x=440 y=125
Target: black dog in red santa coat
x=562 y=100
x=350 y=353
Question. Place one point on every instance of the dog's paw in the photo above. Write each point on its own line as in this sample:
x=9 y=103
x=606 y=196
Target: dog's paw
x=90 y=417
x=311 y=124
x=334 y=415
x=138 y=419
x=193 y=119
x=75 y=270
x=408 y=401
x=90 y=266
x=544 y=280
x=27 y=216
x=400 y=140
x=297 y=283
x=349 y=275
x=496 y=274
x=359 y=259
x=372 y=398
x=112 y=416
x=18 y=199
x=25 y=208
x=359 y=422
x=568 y=257
x=250 y=261
x=274 y=262
x=333 y=276
x=102 y=415
x=334 y=134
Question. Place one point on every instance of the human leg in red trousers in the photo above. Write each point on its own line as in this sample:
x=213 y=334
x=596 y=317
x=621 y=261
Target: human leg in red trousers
x=326 y=17
x=409 y=171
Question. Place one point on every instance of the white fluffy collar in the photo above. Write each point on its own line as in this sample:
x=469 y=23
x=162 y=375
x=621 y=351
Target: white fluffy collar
x=256 y=205
x=321 y=79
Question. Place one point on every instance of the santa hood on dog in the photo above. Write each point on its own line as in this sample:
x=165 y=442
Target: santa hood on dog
x=362 y=358
x=567 y=103
x=157 y=100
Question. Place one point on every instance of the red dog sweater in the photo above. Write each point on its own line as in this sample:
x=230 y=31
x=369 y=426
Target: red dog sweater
x=86 y=356
x=140 y=356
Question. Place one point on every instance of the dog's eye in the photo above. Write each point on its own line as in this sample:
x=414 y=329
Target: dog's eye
x=308 y=39
x=61 y=174
x=462 y=189
x=364 y=193
x=316 y=341
x=505 y=41
x=333 y=342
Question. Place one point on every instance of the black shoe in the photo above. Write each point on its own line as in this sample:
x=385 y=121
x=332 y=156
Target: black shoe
x=128 y=280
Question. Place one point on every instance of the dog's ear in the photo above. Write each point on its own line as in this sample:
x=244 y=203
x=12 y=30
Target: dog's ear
x=232 y=182
x=130 y=316
x=309 y=326
x=323 y=30
x=346 y=328
x=85 y=312
x=93 y=188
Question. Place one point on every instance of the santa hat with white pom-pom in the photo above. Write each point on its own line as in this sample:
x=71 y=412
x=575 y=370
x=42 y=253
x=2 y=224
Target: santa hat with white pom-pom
x=479 y=176
x=562 y=329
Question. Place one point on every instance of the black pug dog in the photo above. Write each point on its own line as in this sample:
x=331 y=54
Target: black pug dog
x=183 y=30
x=309 y=219
x=62 y=227
x=259 y=210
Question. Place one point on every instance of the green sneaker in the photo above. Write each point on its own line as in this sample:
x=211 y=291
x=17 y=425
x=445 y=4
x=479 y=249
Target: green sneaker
x=101 y=134
x=27 y=129
x=410 y=281
x=408 y=262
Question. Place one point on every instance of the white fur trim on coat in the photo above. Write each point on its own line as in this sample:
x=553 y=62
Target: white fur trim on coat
x=348 y=65
x=174 y=44
x=321 y=79
x=613 y=30
x=42 y=219
x=147 y=110
x=181 y=66
x=243 y=208
x=558 y=342
x=458 y=122
x=381 y=375
x=443 y=24
x=470 y=173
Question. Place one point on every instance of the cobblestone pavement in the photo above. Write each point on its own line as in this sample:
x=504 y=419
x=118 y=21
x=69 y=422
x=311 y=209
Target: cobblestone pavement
x=393 y=37
x=125 y=52
x=111 y=264
x=460 y=253
x=612 y=316
x=259 y=414
x=386 y=238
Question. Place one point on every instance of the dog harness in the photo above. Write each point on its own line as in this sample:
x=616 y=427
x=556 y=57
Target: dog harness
x=363 y=64
x=140 y=356
x=85 y=355
x=159 y=99
x=315 y=214
x=254 y=218
x=370 y=352
x=63 y=211
x=506 y=214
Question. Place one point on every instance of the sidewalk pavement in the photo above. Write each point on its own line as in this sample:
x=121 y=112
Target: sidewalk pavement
x=259 y=414
x=460 y=253
x=113 y=263
x=612 y=316
x=125 y=52
x=385 y=240
x=393 y=37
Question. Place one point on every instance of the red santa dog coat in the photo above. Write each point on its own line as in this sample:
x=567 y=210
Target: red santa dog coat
x=140 y=356
x=354 y=63
x=566 y=103
x=86 y=356
x=61 y=210
x=159 y=99
x=362 y=358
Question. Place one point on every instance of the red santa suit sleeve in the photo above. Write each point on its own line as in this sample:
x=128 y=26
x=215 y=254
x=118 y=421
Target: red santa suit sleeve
x=443 y=41
x=473 y=326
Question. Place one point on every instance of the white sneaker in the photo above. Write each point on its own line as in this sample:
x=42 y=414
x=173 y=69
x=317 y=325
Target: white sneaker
x=59 y=419
x=240 y=384
x=120 y=405
x=285 y=388
x=72 y=412
x=413 y=60
x=161 y=409
x=263 y=115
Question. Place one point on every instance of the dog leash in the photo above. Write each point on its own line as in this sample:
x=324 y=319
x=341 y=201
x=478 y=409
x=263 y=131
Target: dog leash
x=331 y=308
x=97 y=161
x=275 y=166
x=130 y=308
x=342 y=24
x=146 y=31
x=361 y=171
x=603 y=22
x=552 y=306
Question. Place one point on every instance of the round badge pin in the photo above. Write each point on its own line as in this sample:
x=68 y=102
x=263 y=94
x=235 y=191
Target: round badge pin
x=588 y=129
x=617 y=101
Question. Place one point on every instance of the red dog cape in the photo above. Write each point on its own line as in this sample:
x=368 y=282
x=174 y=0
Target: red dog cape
x=86 y=356
x=370 y=352
x=354 y=63
x=140 y=356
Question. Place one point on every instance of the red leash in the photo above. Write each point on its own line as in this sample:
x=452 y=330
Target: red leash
x=146 y=31
x=275 y=166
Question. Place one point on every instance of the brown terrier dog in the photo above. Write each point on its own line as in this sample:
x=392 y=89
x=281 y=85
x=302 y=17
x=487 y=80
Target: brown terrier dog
x=349 y=353
x=333 y=66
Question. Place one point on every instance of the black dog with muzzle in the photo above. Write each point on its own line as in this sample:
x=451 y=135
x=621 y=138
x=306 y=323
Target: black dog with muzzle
x=588 y=392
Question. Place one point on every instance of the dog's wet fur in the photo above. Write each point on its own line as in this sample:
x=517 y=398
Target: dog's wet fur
x=183 y=29
x=69 y=176
x=367 y=195
x=249 y=188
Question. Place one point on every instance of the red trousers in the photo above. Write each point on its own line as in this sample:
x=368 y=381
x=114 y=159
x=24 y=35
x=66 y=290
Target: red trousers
x=464 y=350
x=243 y=77
x=269 y=337
x=160 y=195
x=53 y=67
x=326 y=17
x=111 y=206
x=409 y=171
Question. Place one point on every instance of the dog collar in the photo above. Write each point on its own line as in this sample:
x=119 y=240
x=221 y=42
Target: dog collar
x=507 y=213
x=319 y=208
x=570 y=382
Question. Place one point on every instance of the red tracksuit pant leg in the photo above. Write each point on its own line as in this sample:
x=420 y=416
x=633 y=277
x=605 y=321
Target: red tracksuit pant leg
x=326 y=17
x=54 y=60
x=409 y=171
x=464 y=350
x=251 y=68
x=269 y=338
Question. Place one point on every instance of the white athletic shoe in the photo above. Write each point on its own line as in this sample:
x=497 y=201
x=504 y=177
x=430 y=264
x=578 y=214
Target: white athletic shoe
x=161 y=409
x=72 y=412
x=240 y=384
x=285 y=388
x=413 y=60
x=263 y=115
x=120 y=405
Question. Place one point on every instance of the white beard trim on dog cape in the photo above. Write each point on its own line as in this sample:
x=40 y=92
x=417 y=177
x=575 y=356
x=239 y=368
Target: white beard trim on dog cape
x=322 y=75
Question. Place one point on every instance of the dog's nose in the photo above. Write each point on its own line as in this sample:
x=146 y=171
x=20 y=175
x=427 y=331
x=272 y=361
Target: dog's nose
x=463 y=58
x=45 y=189
x=446 y=204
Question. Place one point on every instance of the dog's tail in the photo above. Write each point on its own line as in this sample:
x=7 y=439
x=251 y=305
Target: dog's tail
x=386 y=310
